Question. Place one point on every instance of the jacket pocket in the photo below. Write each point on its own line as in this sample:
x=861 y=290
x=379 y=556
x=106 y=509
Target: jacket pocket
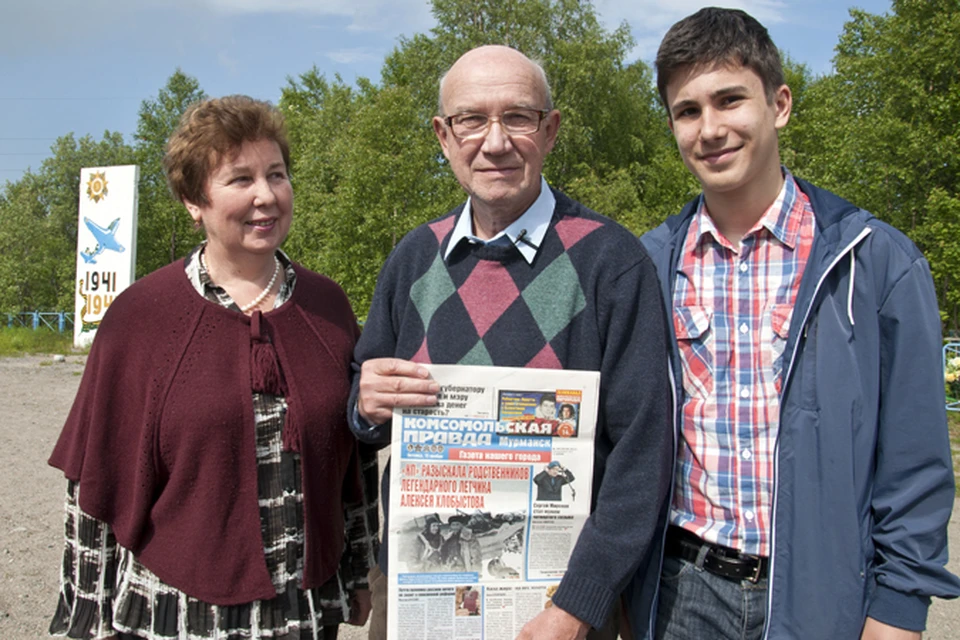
x=696 y=343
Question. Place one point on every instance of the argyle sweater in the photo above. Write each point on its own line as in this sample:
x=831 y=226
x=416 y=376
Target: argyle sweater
x=589 y=301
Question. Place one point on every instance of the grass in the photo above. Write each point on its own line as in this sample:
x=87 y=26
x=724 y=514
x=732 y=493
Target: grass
x=953 y=423
x=18 y=341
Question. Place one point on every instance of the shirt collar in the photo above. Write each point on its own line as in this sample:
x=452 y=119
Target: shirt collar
x=781 y=219
x=200 y=278
x=532 y=224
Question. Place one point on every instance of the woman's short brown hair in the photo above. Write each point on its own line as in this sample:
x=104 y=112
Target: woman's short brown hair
x=210 y=130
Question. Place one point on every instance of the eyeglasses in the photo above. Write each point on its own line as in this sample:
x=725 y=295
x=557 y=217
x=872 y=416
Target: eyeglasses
x=516 y=122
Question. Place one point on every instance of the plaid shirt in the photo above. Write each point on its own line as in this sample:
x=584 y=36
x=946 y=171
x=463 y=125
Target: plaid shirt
x=731 y=311
x=104 y=587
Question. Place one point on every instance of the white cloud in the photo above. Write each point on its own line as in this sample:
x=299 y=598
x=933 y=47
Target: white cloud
x=228 y=62
x=365 y=15
x=37 y=25
x=320 y=7
x=59 y=24
x=650 y=19
x=353 y=56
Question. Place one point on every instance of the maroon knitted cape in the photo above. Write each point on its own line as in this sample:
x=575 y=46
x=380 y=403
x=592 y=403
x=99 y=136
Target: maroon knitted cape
x=161 y=433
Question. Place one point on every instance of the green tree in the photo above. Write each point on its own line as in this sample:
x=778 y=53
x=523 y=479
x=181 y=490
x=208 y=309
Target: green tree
x=317 y=114
x=883 y=130
x=165 y=230
x=25 y=258
x=368 y=167
x=365 y=172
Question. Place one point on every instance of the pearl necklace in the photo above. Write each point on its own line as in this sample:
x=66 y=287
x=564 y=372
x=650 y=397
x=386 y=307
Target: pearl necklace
x=253 y=304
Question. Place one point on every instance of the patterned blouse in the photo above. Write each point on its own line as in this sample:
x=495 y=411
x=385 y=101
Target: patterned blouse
x=104 y=589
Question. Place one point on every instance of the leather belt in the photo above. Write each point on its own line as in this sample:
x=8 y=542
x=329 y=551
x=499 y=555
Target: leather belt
x=718 y=560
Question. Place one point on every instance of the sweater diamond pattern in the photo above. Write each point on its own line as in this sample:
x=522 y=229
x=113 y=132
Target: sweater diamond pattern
x=555 y=296
x=478 y=356
x=487 y=293
x=507 y=342
x=573 y=230
x=430 y=291
x=546 y=359
x=472 y=305
x=442 y=227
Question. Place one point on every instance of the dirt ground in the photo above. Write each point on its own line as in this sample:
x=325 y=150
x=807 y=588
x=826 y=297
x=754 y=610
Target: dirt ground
x=38 y=395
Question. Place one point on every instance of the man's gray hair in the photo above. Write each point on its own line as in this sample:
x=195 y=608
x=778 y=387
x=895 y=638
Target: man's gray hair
x=541 y=74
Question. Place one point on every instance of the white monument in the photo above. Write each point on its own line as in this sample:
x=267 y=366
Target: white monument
x=106 y=244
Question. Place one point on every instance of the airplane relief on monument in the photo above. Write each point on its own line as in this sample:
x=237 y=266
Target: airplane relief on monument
x=106 y=243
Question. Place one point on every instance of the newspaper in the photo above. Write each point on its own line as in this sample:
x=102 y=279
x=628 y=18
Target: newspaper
x=489 y=490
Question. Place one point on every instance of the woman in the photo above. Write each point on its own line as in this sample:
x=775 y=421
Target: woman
x=214 y=489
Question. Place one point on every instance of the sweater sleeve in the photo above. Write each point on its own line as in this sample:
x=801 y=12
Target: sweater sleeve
x=913 y=482
x=634 y=443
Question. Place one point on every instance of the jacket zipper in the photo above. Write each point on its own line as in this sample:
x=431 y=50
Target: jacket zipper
x=776 y=458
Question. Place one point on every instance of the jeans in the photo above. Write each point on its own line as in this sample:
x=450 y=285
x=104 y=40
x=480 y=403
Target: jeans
x=695 y=604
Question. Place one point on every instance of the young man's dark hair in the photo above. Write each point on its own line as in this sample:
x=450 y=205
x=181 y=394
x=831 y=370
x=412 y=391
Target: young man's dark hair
x=718 y=36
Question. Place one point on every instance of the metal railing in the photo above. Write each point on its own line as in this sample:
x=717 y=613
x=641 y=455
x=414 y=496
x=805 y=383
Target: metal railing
x=59 y=321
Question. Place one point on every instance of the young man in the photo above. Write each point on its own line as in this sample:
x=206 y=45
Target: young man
x=521 y=275
x=813 y=482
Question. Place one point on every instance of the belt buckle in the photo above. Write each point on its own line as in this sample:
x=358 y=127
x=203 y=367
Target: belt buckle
x=755 y=576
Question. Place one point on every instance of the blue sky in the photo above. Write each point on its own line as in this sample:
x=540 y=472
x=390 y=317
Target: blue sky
x=85 y=67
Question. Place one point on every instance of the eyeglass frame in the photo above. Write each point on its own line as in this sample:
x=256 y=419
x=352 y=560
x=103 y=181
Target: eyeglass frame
x=448 y=120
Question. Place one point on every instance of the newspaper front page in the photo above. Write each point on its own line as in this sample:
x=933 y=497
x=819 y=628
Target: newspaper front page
x=489 y=490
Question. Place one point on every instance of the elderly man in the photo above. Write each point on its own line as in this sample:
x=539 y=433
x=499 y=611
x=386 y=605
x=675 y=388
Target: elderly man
x=520 y=275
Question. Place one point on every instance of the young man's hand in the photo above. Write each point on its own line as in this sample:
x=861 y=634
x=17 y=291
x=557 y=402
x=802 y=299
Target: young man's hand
x=876 y=630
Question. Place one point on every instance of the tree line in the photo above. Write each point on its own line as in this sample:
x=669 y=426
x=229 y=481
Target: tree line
x=882 y=130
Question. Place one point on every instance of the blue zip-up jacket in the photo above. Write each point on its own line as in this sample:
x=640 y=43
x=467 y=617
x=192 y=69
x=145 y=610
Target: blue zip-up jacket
x=863 y=475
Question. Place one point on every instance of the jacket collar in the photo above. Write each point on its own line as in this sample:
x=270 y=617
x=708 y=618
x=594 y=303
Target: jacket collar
x=839 y=224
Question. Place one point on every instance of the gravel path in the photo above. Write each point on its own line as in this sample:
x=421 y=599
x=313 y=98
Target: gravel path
x=39 y=393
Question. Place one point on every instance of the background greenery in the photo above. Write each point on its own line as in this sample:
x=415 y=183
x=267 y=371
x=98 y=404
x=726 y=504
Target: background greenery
x=17 y=341
x=882 y=130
